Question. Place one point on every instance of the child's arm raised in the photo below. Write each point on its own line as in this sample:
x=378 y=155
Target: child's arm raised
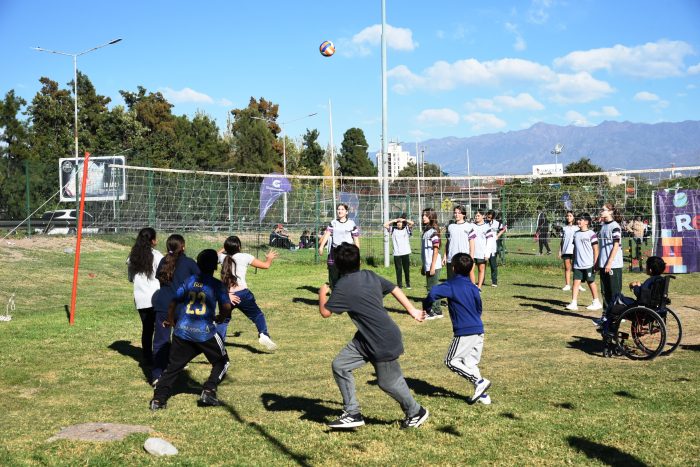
x=322 y=300
x=269 y=257
x=418 y=315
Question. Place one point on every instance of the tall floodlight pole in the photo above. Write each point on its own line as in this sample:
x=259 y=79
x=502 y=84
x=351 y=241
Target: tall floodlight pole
x=385 y=161
x=418 y=163
x=556 y=151
x=75 y=101
x=469 y=183
x=284 y=151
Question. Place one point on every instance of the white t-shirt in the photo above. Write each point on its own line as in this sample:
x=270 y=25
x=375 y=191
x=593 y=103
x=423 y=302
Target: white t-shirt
x=242 y=261
x=342 y=232
x=491 y=241
x=145 y=286
x=483 y=231
x=458 y=236
x=430 y=239
x=610 y=232
x=567 y=239
x=401 y=239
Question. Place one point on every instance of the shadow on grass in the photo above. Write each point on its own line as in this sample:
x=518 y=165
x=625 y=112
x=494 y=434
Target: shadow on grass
x=536 y=286
x=136 y=353
x=311 y=409
x=306 y=301
x=247 y=347
x=565 y=405
x=313 y=290
x=510 y=416
x=299 y=459
x=695 y=347
x=607 y=455
x=423 y=388
x=588 y=345
x=549 y=309
x=626 y=394
x=449 y=430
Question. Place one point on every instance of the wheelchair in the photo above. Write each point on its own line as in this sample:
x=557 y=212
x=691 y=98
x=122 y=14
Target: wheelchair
x=645 y=329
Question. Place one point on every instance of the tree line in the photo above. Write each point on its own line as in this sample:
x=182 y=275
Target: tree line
x=35 y=135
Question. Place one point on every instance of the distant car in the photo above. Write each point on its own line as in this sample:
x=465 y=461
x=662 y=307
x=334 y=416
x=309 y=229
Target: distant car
x=64 y=222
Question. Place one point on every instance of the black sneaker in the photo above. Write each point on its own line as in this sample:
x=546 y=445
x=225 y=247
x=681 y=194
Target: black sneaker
x=346 y=421
x=155 y=404
x=417 y=420
x=208 y=398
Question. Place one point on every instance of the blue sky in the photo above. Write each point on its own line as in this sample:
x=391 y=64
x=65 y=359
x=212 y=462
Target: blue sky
x=456 y=68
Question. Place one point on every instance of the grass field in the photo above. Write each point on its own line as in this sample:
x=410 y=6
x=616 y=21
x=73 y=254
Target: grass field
x=555 y=399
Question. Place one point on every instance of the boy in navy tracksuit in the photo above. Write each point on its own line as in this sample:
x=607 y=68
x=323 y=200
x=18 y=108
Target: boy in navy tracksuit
x=464 y=304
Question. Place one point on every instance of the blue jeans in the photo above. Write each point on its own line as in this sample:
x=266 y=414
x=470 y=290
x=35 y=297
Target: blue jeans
x=248 y=307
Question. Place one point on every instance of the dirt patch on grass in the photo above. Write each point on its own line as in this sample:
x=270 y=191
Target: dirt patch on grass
x=13 y=248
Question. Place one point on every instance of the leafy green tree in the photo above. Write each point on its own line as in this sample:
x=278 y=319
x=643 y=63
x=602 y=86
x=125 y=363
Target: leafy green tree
x=255 y=148
x=428 y=170
x=353 y=160
x=14 y=153
x=312 y=154
x=92 y=112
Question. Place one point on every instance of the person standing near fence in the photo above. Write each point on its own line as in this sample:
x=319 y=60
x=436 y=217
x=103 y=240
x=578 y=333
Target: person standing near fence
x=497 y=229
x=481 y=253
x=341 y=230
x=400 y=230
x=542 y=232
x=610 y=261
x=460 y=239
x=566 y=248
x=431 y=263
x=142 y=264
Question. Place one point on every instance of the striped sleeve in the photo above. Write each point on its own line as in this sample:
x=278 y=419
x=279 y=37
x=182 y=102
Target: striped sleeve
x=616 y=234
x=594 y=239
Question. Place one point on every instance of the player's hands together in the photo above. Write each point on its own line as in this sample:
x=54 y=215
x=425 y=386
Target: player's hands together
x=418 y=315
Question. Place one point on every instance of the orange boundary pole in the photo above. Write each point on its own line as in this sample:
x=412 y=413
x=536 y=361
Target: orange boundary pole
x=76 y=263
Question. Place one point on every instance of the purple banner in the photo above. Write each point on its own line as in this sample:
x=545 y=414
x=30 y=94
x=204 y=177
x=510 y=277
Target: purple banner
x=272 y=188
x=353 y=203
x=679 y=227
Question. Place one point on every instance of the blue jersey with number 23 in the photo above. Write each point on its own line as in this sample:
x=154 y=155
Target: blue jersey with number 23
x=196 y=309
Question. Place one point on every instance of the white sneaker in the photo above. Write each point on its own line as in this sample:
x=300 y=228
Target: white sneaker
x=481 y=387
x=573 y=306
x=485 y=399
x=596 y=305
x=267 y=342
x=581 y=288
x=566 y=287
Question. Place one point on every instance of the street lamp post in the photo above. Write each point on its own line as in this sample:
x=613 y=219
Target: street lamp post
x=284 y=151
x=556 y=151
x=75 y=100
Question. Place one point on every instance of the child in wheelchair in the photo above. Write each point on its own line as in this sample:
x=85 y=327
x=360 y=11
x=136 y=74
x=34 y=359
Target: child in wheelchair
x=654 y=268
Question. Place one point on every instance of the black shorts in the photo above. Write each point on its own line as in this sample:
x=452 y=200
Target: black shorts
x=567 y=256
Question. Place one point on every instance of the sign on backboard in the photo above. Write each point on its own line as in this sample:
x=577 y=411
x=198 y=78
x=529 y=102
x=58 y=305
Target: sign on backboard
x=104 y=183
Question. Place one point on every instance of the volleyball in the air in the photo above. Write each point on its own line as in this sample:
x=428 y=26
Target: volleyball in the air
x=327 y=48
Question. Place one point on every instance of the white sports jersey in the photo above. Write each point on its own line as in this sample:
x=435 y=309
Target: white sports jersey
x=609 y=233
x=458 y=236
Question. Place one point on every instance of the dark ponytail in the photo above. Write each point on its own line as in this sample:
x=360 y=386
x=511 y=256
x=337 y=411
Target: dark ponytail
x=141 y=255
x=176 y=246
x=232 y=245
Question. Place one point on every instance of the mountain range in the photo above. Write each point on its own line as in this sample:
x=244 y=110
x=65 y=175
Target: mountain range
x=611 y=145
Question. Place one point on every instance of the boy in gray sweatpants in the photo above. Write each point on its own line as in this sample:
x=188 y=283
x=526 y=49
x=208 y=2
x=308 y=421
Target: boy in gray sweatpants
x=378 y=338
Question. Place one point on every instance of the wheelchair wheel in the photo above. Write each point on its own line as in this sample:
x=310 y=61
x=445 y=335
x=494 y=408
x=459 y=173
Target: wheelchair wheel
x=674 y=330
x=641 y=333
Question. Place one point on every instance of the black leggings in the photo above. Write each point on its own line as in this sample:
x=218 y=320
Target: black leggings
x=148 y=324
x=403 y=261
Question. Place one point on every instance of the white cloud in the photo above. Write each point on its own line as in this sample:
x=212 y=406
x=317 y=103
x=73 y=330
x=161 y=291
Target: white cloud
x=578 y=88
x=539 y=11
x=519 y=44
x=576 y=119
x=396 y=38
x=659 y=59
x=645 y=96
x=440 y=34
x=444 y=76
x=694 y=70
x=483 y=122
x=225 y=102
x=185 y=95
x=521 y=101
x=690 y=86
x=438 y=117
x=482 y=104
x=418 y=134
x=606 y=111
